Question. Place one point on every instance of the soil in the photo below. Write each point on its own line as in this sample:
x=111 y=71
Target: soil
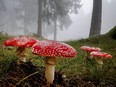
x=28 y=75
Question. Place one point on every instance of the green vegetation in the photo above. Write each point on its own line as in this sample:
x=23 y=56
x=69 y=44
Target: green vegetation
x=112 y=32
x=72 y=66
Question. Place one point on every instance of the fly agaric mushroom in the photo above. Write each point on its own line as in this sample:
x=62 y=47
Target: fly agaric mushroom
x=90 y=49
x=99 y=55
x=51 y=50
x=21 y=42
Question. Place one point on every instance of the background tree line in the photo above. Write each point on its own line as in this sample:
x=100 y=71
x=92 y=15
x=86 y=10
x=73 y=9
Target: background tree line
x=44 y=15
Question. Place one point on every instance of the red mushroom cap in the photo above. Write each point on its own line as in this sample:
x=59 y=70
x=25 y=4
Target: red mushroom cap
x=22 y=41
x=90 y=49
x=100 y=54
x=53 y=48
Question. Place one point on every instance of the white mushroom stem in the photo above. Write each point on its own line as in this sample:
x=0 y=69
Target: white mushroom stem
x=50 y=69
x=21 y=52
x=99 y=61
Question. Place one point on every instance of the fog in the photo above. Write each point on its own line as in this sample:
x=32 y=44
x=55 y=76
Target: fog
x=80 y=22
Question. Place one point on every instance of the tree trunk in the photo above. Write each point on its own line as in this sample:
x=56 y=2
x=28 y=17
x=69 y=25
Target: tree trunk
x=55 y=25
x=95 y=28
x=25 y=29
x=39 y=29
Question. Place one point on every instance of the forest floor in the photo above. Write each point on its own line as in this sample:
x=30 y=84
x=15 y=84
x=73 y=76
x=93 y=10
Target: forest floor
x=28 y=75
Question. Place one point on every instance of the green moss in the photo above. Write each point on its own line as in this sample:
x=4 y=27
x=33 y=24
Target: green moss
x=112 y=32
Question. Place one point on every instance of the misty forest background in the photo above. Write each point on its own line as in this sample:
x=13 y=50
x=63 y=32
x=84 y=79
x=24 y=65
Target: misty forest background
x=41 y=18
x=44 y=17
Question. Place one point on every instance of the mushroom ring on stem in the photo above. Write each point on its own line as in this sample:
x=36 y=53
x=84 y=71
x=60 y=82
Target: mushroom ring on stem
x=21 y=42
x=51 y=50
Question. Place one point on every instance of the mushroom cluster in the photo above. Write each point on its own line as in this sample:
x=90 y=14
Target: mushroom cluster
x=21 y=42
x=51 y=50
x=94 y=53
x=89 y=49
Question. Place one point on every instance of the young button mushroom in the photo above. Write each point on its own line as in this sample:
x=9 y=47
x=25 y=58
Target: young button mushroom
x=21 y=42
x=51 y=50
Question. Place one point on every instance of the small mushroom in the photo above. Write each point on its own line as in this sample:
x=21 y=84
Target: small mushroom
x=99 y=55
x=51 y=50
x=90 y=49
x=21 y=42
